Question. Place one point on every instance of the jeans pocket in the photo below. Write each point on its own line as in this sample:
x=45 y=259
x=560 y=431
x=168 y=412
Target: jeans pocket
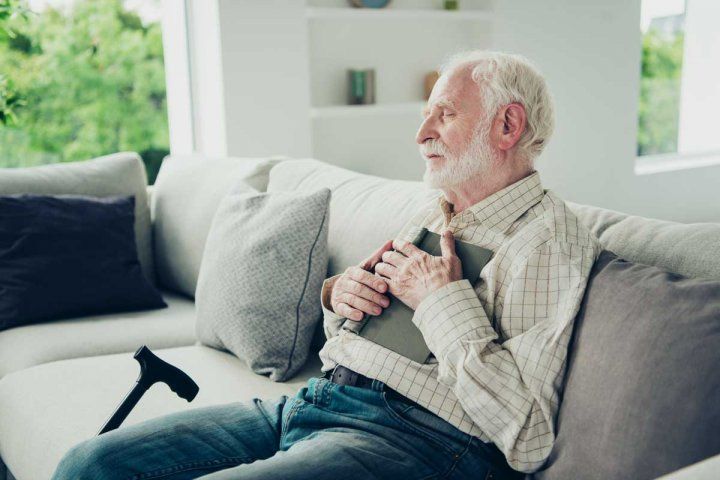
x=405 y=408
x=421 y=423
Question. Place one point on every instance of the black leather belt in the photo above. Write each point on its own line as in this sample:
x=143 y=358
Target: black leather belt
x=344 y=376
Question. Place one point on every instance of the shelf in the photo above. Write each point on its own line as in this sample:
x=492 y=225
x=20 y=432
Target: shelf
x=395 y=13
x=340 y=111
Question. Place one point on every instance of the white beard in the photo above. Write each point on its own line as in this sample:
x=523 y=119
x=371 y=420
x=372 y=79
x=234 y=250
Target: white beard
x=476 y=160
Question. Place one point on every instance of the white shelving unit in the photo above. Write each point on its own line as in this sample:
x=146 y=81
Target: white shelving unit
x=402 y=43
x=345 y=13
x=341 y=111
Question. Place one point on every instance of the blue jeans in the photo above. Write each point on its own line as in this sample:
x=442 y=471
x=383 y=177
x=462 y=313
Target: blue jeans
x=326 y=431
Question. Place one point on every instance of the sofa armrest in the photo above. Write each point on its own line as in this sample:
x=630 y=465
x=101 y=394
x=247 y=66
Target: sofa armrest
x=708 y=469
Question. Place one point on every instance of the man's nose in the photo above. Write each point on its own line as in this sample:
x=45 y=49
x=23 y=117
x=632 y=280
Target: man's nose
x=425 y=132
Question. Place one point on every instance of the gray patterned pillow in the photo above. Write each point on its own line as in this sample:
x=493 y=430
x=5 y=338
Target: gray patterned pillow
x=642 y=390
x=260 y=278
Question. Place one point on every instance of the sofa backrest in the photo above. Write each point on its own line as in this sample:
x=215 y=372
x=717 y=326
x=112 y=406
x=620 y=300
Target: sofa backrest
x=186 y=194
x=366 y=210
x=690 y=249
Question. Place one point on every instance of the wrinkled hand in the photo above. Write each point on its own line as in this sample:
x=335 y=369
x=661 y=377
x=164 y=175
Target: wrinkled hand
x=412 y=274
x=358 y=291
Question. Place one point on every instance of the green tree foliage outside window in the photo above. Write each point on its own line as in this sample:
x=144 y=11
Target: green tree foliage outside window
x=93 y=82
x=660 y=92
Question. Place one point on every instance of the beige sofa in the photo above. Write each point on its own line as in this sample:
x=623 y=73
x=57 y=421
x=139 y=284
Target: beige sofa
x=59 y=381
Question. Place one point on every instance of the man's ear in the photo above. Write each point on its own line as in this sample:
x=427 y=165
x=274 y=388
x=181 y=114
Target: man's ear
x=514 y=120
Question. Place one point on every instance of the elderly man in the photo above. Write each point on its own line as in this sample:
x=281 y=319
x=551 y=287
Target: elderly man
x=484 y=404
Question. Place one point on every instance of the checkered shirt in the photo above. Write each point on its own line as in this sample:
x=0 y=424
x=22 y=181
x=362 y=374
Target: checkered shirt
x=499 y=346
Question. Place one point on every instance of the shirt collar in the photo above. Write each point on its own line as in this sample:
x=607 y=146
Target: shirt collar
x=500 y=209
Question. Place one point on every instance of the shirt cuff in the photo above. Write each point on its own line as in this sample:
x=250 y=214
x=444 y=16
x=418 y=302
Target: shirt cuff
x=450 y=314
x=328 y=314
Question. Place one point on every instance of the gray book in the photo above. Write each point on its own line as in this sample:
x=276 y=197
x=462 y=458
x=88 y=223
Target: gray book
x=393 y=328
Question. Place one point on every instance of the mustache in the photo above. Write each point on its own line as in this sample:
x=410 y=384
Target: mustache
x=433 y=147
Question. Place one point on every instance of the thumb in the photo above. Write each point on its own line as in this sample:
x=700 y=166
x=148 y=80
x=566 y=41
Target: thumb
x=447 y=244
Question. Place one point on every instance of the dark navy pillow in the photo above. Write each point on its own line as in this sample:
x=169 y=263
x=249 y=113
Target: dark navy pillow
x=67 y=256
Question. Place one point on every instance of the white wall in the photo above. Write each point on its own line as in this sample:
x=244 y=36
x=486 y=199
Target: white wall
x=590 y=53
x=265 y=76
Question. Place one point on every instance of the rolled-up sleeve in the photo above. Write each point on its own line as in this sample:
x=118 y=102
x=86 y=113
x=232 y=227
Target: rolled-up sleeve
x=331 y=320
x=510 y=388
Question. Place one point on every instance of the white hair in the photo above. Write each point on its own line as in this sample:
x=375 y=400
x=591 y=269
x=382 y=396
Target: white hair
x=505 y=78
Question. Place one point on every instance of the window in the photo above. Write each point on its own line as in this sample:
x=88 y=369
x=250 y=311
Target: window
x=679 y=85
x=91 y=80
x=663 y=26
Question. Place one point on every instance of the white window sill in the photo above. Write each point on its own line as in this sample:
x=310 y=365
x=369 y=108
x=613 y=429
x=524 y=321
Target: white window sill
x=668 y=162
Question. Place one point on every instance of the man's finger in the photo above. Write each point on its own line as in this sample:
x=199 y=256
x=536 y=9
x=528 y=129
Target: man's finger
x=360 y=303
x=371 y=280
x=369 y=263
x=386 y=270
x=348 y=312
x=447 y=244
x=405 y=247
x=393 y=258
x=355 y=288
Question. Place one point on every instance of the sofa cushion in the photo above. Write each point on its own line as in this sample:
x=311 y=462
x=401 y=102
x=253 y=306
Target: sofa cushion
x=64 y=256
x=642 y=390
x=691 y=249
x=365 y=211
x=117 y=174
x=260 y=279
x=185 y=196
x=29 y=345
x=45 y=410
